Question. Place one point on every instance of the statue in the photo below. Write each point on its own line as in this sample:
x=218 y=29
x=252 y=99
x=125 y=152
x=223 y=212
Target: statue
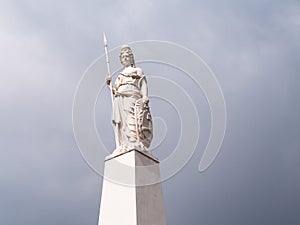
x=130 y=109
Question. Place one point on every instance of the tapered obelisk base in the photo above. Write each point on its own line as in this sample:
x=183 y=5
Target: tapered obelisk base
x=131 y=193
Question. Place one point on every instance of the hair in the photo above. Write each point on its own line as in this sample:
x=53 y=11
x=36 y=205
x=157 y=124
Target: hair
x=126 y=48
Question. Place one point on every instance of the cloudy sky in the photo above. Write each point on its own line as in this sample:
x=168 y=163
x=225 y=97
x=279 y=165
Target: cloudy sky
x=251 y=46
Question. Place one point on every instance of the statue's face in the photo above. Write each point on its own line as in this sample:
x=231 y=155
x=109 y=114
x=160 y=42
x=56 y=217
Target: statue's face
x=125 y=59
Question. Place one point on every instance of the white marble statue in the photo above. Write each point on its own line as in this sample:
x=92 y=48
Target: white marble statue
x=130 y=113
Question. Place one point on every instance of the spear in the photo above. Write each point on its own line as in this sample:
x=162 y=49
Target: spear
x=107 y=65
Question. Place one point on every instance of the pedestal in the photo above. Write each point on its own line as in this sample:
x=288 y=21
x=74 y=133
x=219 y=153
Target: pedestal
x=132 y=191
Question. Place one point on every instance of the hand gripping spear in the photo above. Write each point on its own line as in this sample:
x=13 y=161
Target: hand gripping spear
x=108 y=69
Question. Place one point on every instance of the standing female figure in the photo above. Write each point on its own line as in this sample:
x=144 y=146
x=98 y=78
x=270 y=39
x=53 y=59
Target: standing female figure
x=130 y=114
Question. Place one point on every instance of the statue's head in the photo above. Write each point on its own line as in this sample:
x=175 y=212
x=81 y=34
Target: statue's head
x=126 y=56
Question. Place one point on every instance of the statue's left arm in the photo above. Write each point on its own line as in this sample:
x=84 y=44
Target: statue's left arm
x=143 y=86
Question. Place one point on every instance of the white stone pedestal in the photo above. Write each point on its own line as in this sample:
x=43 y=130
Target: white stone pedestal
x=132 y=192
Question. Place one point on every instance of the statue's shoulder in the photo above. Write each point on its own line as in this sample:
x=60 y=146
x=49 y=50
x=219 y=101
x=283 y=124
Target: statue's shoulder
x=134 y=72
x=139 y=71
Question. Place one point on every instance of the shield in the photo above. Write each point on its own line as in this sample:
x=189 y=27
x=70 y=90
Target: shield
x=144 y=125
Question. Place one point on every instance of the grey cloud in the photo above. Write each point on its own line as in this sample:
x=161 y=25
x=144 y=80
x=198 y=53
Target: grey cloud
x=253 y=48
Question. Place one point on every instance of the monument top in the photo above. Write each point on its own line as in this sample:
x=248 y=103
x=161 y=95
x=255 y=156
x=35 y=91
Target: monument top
x=145 y=153
x=131 y=115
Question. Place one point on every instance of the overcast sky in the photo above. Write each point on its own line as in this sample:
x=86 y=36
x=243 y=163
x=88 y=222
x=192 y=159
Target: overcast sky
x=251 y=46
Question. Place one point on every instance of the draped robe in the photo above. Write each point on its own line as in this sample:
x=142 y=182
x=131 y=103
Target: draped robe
x=131 y=115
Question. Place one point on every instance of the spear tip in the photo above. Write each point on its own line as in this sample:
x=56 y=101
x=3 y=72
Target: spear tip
x=104 y=39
